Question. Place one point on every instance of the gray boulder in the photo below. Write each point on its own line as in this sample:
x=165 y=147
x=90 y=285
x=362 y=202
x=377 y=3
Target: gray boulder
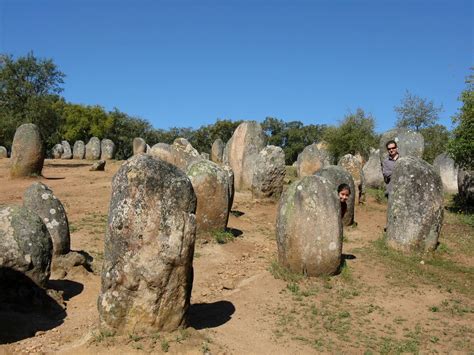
x=337 y=175
x=205 y=156
x=162 y=151
x=230 y=174
x=241 y=151
x=311 y=159
x=25 y=243
x=466 y=185
x=448 y=171
x=373 y=170
x=354 y=167
x=40 y=199
x=408 y=142
x=93 y=149
x=67 y=153
x=149 y=244
x=27 y=151
x=184 y=153
x=57 y=151
x=309 y=227
x=98 y=166
x=269 y=173
x=211 y=186
x=3 y=152
x=217 y=151
x=79 y=150
x=139 y=145
x=107 y=148
x=415 y=206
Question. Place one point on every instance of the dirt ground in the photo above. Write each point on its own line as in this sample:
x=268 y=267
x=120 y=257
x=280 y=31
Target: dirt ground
x=244 y=303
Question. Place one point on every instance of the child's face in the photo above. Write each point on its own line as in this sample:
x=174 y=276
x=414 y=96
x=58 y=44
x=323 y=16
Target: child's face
x=344 y=195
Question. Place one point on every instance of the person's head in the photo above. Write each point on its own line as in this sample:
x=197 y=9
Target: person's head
x=392 y=148
x=344 y=191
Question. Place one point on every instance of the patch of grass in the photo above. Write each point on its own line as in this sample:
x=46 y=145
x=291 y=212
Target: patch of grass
x=222 y=237
x=102 y=335
x=377 y=194
x=205 y=348
x=282 y=273
x=346 y=273
x=165 y=345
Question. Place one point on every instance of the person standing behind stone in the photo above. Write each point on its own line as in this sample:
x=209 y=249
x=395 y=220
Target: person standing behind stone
x=388 y=164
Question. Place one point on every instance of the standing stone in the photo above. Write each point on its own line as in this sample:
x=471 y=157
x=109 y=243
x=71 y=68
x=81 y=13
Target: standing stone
x=79 y=150
x=408 y=142
x=93 y=149
x=25 y=243
x=211 y=186
x=205 y=156
x=241 y=150
x=269 y=173
x=466 y=185
x=149 y=244
x=57 y=151
x=40 y=199
x=139 y=145
x=311 y=159
x=337 y=175
x=107 y=148
x=230 y=174
x=3 y=152
x=415 y=206
x=448 y=171
x=98 y=166
x=27 y=151
x=217 y=150
x=373 y=170
x=184 y=153
x=354 y=167
x=309 y=227
x=67 y=153
x=163 y=151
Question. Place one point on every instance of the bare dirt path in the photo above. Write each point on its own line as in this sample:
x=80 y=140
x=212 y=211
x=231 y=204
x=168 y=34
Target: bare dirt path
x=243 y=303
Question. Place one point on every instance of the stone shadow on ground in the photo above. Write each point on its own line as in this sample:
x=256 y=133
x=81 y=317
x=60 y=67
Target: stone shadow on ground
x=25 y=308
x=68 y=288
x=235 y=232
x=236 y=213
x=210 y=315
x=76 y=165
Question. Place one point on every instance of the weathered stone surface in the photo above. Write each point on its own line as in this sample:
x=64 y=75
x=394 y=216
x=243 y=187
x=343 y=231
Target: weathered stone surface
x=27 y=151
x=211 y=186
x=98 y=166
x=373 y=170
x=230 y=174
x=241 y=151
x=93 y=149
x=25 y=243
x=57 y=151
x=337 y=175
x=139 y=145
x=311 y=159
x=149 y=245
x=269 y=173
x=309 y=227
x=40 y=199
x=67 y=153
x=79 y=150
x=415 y=206
x=448 y=171
x=205 y=156
x=408 y=142
x=184 y=154
x=354 y=167
x=466 y=185
x=3 y=152
x=108 y=149
x=162 y=151
x=217 y=151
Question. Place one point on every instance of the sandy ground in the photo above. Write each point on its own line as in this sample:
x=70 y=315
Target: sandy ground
x=381 y=302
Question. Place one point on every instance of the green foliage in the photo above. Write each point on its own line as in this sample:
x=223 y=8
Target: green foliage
x=355 y=134
x=222 y=237
x=461 y=146
x=280 y=272
x=436 y=139
x=415 y=112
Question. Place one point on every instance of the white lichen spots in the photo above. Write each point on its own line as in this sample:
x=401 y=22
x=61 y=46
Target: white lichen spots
x=46 y=220
x=49 y=226
x=115 y=294
x=45 y=196
x=300 y=187
x=52 y=211
x=28 y=258
x=332 y=246
x=54 y=223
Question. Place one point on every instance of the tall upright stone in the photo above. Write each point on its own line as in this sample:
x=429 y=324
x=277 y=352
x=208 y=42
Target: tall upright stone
x=184 y=153
x=108 y=149
x=217 y=151
x=27 y=151
x=309 y=227
x=149 y=244
x=337 y=175
x=139 y=145
x=373 y=170
x=3 y=152
x=211 y=186
x=269 y=173
x=466 y=185
x=93 y=149
x=311 y=159
x=230 y=174
x=415 y=206
x=447 y=169
x=246 y=142
x=163 y=151
x=408 y=142
x=67 y=152
x=354 y=167
x=57 y=151
x=79 y=150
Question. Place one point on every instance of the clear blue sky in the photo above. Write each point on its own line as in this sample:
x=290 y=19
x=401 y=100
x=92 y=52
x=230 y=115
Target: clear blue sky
x=187 y=63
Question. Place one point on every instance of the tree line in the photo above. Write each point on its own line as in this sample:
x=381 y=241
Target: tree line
x=31 y=87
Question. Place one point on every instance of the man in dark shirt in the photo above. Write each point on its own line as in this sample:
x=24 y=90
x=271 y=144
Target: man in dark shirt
x=388 y=164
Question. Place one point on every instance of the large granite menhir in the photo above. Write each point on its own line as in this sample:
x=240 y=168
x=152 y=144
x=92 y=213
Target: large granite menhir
x=409 y=143
x=27 y=152
x=93 y=149
x=447 y=169
x=149 y=244
x=268 y=173
x=415 y=206
x=311 y=159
